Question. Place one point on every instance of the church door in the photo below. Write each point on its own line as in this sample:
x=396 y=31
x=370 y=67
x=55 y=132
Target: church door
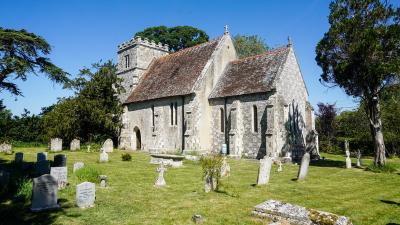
x=138 y=139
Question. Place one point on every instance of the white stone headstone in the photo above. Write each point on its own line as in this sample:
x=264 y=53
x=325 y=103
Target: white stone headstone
x=61 y=175
x=279 y=166
x=359 y=159
x=160 y=182
x=225 y=168
x=108 y=146
x=44 y=193
x=56 y=144
x=103 y=157
x=85 y=194
x=6 y=148
x=264 y=170
x=348 y=160
x=305 y=162
x=75 y=145
x=77 y=166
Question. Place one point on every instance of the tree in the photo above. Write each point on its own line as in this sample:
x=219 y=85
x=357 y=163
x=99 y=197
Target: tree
x=249 y=45
x=22 y=53
x=326 y=116
x=361 y=54
x=177 y=38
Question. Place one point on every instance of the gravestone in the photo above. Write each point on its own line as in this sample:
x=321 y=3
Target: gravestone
x=75 y=145
x=225 y=168
x=41 y=156
x=77 y=166
x=358 y=158
x=56 y=145
x=348 y=160
x=264 y=170
x=224 y=149
x=60 y=160
x=108 y=146
x=103 y=181
x=85 y=194
x=44 y=193
x=61 y=175
x=303 y=170
x=19 y=157
x=279 y=166
x=4 y=180
x=6 y=148
x=160 y=182
x=208 y=183
x=88 y=148
x=103 y=157
x=42 y=167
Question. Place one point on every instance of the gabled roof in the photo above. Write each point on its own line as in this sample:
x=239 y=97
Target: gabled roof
x=174 y=74
x=255 y=74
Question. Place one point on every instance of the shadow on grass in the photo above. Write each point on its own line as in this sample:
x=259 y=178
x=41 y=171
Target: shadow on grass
x=328 y=163
x=392 y=224
x=16 y=210
x=391 y=202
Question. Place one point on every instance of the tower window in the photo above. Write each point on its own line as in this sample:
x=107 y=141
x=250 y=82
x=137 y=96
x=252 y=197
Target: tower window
x=255 y=119
x=127 y=61
x=222 y=120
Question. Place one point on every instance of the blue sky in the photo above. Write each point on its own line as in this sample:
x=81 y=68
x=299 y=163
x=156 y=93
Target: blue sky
x=83 y=32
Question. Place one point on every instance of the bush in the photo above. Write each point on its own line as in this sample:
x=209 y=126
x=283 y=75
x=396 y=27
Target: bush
x=88 y=173
x=211 y=165
x=387 y=168
x=126 y=157
x=24 y=189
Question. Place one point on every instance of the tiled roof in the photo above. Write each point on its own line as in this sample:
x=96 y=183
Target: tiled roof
x=174 y=74
x=255 y=74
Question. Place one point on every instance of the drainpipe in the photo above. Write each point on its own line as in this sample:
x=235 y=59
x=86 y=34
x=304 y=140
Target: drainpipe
x=226 y=127
x=183 y=123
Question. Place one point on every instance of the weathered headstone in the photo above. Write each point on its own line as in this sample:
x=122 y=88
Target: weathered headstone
x=6 y=148
x=103 y=181
x=4 y=180
x=75 y=145
x=88 y=148
x=224 y=149
x=279 y=166
x=264 y=170
x=103 y=157
x=56 y=144
x=208 y=183
x=77 y=166
x=60 y=160
x=85 y=194
x=61 y=175
x=197 y=219
x=41 y=156
x=44 y=194
x=303 y=170
x=225 y=168
x=19 y=157
x=42 y=167
x=160 y=182
x=108 y=146
x=359 y=159
x=348 y=160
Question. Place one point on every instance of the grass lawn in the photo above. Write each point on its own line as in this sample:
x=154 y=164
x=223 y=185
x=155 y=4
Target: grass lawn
x=365 y=197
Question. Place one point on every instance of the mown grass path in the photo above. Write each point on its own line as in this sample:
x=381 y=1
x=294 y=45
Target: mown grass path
x=130 y=198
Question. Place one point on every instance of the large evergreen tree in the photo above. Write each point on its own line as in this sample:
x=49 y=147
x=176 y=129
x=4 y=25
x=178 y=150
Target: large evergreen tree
x=249 y=45
x=361 y=54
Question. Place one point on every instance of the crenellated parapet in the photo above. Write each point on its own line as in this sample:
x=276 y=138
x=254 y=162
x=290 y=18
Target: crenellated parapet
x=144 y=42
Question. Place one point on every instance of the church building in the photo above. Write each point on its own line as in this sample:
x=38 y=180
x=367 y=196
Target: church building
x=203 y=97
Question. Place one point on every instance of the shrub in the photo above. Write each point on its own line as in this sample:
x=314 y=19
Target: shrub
x=387 y=168
x=211 y=165
x=126 y=157
x=24 y=189
x=88 y=173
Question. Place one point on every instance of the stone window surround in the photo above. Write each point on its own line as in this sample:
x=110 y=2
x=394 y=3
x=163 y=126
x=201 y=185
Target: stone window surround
x=127 y=61
x=255 y=121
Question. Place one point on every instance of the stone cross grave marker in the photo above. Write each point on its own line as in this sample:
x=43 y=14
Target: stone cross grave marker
x=85 y=194
x=75 y=145
x=44 y=195
x=61 y=175
x=56 y=144
x=358 y=158
x=41 y=156
x=103 y=157
x=303 y=170
x=60 y=160
x=160 y=182
x=19 y=157
x=108 y=146
x=77 y=166
x=348 y=160
x=279 y=166
x=264 y=170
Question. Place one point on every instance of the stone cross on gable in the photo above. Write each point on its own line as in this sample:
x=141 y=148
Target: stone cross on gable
x=226 y=31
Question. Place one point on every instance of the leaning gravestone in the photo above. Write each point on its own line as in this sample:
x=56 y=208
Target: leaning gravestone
x=19 y=157
x=75 y=145
x=61 y=175
x=60 y=160
x=108 y=146
x=348 y=160
x=6 y=148
x=56 y=145
x=103 y=157
x=209 y=183
x=264 y=170
x=160 y=182
x=85 y=194
x=305 y=162
x=359 y=159
x=42 y=167
x=44 y=193
x=41 y=156
x=78 y=166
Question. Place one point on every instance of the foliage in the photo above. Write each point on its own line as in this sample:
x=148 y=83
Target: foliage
x=24 y=189
x=177 y=38
x=360 y=53
x=211 y=165
x=93 y=114
x=325 y=123
x=126 y=157
x=88 y=173
x=22 y=53
x=249 y=45
x=387 y=168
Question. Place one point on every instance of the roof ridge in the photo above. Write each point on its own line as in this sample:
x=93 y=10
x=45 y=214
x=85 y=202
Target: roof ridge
x=268 y=52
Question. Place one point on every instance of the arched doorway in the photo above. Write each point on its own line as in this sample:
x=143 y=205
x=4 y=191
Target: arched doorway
x=138 y=138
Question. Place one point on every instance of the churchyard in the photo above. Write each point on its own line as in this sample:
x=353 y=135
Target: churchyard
x=130 y=197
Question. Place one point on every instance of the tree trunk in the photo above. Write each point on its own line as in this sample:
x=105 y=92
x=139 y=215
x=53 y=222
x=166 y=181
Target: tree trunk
x=374 y=115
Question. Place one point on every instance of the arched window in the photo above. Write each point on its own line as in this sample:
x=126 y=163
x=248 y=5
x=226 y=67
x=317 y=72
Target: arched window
x=222 y=119
x=255 y=119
